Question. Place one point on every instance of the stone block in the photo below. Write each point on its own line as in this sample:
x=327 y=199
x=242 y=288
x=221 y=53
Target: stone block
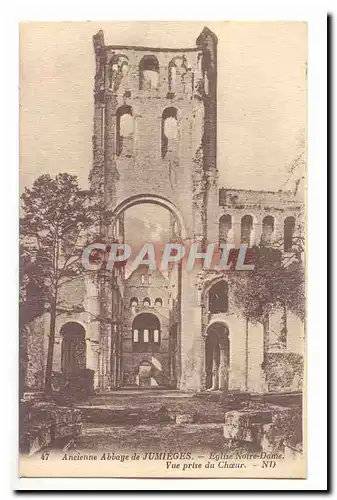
x=35 y=439
x=185 y=418
x=267 y=426
x=71 y=430
x=46 y=422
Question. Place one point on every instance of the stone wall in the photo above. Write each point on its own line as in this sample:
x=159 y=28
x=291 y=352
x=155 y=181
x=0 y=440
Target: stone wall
x=284 y=372
x=157 y=288
x=36 y=358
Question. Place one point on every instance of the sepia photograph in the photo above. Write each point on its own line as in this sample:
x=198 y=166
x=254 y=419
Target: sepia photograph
x=162 y=300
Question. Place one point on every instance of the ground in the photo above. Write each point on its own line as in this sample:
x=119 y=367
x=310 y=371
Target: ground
x=201 y=438
x=160 y=420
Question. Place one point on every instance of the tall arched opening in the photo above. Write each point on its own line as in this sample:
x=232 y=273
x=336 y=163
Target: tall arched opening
x=73 y=348
x=217 y=356
x=161 y=344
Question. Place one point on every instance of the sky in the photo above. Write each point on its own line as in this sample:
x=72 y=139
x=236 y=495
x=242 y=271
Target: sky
x=261 y=95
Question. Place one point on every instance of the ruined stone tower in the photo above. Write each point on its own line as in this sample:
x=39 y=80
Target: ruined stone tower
x=155 y=142
x=155 y=134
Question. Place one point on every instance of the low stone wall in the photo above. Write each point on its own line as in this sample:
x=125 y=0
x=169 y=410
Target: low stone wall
x=44 y=423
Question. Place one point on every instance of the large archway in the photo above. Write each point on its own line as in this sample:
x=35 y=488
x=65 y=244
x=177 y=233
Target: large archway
x=146 y=333
x=73 y=348
x=152 y=199
x=162 y=223
x=217 y=356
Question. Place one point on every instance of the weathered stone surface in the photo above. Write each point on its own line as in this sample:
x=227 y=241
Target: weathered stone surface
x=34 y=396
x=125 y=414
x=267 y=426
x=62 y=431
x=185 y=418
x=43 y=423
x=35 y=439
x=245 y=425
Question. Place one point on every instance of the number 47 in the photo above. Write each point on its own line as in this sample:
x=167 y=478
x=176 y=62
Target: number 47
x=44 y=456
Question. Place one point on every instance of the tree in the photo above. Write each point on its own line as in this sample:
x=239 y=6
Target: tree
x=56 y=219
x=271 y=282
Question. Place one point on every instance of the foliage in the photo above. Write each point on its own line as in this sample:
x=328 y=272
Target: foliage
x=270 y=284
x=57 y=217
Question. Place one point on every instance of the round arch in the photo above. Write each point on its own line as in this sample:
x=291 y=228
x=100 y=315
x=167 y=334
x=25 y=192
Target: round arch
x=154 y=199
x=146 y=332
x=210 y=284
x=146 y=319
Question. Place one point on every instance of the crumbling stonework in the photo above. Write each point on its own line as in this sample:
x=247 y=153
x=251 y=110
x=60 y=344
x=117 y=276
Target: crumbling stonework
x=137 y=159
x=44 y=423
x=268 y=427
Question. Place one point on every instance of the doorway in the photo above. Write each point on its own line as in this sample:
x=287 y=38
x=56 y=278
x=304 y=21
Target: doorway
x=217 y=357
x=73 y=348
x=144 y=374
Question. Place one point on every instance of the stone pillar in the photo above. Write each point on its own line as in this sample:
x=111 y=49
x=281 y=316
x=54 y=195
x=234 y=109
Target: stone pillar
x=57 y=353
x=256 y=231
x=237 y=232
x=222 y=369
x=92 y=359
x=110 y=173
x=215 y=373
x=256 y=377
x=191 y=341
x=212 y=208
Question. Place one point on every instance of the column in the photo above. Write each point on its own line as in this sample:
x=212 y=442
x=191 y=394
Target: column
x=215 y=373
x=222 y=369
x=110 y=151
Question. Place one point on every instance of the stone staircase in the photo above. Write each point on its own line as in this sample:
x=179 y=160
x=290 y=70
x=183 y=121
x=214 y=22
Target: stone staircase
x=158 y=420
x=153 y=406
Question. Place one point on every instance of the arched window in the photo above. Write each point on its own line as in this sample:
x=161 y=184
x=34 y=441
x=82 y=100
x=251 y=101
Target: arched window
x=148 y=333
x=150 y=279
x=268 y=226
x=125 y=131
x=169 y=131
x=135 y=336
x=118 y=69
x=218 y=298
x=148 y=73
x=124 y=68
x=142 y=279
x=225 y=225
x=289 y=227
x=172 y=76
x=146 y=302
x=133 y=304
x=158 y=302
x=246 y=229
x=179 y=75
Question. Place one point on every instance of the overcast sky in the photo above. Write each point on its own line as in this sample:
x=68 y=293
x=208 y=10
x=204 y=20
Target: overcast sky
x=261 y=95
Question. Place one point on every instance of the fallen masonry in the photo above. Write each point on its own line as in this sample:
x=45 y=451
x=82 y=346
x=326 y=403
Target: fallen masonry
x=44 y=423
x=268 y=427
